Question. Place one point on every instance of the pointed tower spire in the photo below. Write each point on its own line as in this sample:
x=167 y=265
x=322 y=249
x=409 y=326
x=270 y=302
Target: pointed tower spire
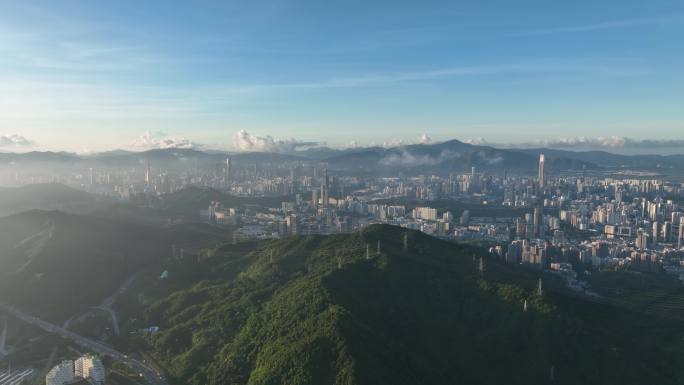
x=540 y=291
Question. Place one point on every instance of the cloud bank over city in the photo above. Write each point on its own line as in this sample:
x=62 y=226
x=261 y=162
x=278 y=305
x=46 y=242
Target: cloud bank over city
x=607 y=143
x=152 y=140
x=15 y=140
x=244 y=141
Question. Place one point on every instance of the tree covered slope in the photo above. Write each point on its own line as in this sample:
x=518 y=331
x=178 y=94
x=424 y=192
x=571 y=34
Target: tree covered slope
x=314 y=310
x=54 y=264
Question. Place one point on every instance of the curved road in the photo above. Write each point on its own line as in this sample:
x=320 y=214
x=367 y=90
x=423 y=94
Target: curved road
x=149 y=374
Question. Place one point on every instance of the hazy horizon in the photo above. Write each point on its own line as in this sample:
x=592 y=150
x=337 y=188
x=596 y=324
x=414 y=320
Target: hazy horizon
x=245 y=142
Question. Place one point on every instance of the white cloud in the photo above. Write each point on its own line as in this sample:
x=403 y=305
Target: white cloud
x=424 y=139
x=476 y=141
x=15 y=141
x=393 y=143
x=244 y=141
x=403 y=157
x=160 y=140
x=608 y=142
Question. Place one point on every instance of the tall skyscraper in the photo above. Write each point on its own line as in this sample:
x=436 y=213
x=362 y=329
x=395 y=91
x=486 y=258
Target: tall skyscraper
x=541 y=171
x=314 y=200
x=680 y=240
x=292 y=224
x=148 y=175
x=228 y=170
x=642 y=239
x=324 y=195
x=538 y=225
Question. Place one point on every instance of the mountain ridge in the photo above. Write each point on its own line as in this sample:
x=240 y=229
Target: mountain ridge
x=446 y=154
x=319 y=310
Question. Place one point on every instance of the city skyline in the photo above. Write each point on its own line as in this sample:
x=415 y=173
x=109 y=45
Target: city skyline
x=81 y=77
x=347 y=192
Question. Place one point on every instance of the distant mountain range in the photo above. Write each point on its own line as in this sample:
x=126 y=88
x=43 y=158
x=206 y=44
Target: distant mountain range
x=442 y=157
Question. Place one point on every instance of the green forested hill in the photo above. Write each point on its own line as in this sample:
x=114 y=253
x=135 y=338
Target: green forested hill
x=49 y=196
x=54 y=264
x=314 y=310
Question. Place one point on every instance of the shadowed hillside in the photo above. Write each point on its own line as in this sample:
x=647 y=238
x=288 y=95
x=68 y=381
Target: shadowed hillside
x=55 y=264
x=52 y=196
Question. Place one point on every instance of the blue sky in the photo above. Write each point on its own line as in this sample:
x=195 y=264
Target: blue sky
x=88 y=76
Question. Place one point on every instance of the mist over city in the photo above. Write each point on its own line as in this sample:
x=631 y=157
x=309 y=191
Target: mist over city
x=341 y=193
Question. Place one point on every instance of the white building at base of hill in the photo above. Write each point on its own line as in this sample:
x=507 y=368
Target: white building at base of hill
x=61 y=374
x=91 y=369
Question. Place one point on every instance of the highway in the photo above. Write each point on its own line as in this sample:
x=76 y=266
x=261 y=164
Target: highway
x=149 y=374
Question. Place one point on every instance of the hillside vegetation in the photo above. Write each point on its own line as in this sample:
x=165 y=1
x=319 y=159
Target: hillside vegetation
x=54 y=264
x=314 y=310
x=49 y=196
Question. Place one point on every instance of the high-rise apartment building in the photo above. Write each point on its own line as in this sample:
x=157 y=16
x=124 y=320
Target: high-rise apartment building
x=538 y=225
x=425 y=213
x=680 y=240
x=61 y=374
x=228 y=171
x=324 y=195
x=91 y=369
x=541 y=171
x=314 y=200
